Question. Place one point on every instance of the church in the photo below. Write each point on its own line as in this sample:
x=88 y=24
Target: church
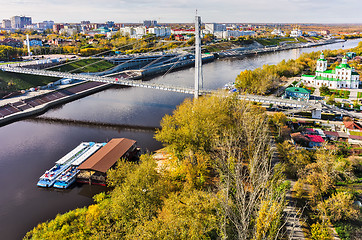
x=342 y=77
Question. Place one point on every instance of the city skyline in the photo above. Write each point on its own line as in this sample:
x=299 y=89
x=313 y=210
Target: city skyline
x=183 y=11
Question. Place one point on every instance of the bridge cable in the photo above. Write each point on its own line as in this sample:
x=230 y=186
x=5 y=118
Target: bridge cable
x=100 y=53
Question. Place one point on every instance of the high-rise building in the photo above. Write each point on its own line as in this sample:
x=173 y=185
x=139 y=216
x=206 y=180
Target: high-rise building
x=15 y=22
x=48 y=24
x=20 y=21
x=57 y=27
x=149 y=23
x=110 y=24
x=25 y=21
x=6 y=23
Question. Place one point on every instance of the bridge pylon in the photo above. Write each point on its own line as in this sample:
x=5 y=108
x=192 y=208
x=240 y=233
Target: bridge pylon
x=198 y=57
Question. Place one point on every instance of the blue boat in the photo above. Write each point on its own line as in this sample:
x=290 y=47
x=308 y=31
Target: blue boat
x=49 y=177
x=68 y=176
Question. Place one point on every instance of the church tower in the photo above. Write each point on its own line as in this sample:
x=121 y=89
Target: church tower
x=321 y=64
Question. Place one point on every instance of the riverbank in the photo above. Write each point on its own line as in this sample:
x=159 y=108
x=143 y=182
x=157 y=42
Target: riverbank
x=240 y=52
x=36 y=105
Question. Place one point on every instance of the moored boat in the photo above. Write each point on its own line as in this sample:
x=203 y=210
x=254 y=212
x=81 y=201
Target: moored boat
x=49 y=177
x=69 y=175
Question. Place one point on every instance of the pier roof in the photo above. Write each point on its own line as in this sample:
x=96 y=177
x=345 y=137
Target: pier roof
x=108 y=155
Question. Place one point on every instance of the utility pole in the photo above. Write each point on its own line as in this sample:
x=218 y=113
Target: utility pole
x=198 y=58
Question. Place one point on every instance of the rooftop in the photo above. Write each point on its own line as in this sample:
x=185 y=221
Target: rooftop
x=297 y=90
x=331 y=133
x=343 y=65
x=108 y=155
x=352 y=125
x=311 y=76
x=315 y=138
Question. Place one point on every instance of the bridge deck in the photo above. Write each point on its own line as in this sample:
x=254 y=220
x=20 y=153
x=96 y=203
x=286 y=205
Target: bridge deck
x=86 y=77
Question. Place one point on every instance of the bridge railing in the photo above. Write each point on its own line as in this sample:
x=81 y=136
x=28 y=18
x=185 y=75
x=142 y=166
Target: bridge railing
x=120 y=81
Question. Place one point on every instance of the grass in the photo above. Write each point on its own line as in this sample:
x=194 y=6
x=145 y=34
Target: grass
x=277 y=41
x=268 y=42
x=22 y=81
x=316 y=38
x=300 y=39
x=337 y=93
x=217 y=47
x=5 y=63
x=311 y=89
x=348 y=230
x=355 y=133
x=98 y=65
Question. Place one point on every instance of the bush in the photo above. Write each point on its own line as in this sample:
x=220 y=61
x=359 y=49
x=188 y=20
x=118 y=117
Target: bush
x=319 y=231
x=339 y=207
x=344 y=231
x=324 y=91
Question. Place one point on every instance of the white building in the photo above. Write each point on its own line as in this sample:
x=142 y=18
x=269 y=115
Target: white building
x=133 y=32
x=111 y=34
x=278 y=32
x=69 y=31
x=160 y=31
x=182 y=31
x=127 y=31
x=343 y=76
x=232 y=34
x=211 y=28
x=6 y=23
x=140 y=31
x=312 y=34
x=296 y=32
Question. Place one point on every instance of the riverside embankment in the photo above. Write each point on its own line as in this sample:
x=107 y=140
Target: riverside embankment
x=26 y=107
x=259 y=49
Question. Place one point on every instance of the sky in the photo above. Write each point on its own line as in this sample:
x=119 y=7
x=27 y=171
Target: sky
x=183 y=11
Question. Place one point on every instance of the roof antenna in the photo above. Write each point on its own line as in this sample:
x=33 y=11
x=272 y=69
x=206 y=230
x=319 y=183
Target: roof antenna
x=196 y=11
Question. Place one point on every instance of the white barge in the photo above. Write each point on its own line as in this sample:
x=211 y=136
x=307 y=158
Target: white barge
x=50 y=176
x=68 y=176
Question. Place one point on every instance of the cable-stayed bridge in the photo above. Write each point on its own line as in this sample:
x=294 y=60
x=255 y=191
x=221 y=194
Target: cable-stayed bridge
x=94 y=78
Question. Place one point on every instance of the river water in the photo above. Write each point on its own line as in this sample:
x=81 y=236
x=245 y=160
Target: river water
x=29 y=147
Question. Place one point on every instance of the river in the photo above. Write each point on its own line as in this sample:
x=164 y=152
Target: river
x=29 y=147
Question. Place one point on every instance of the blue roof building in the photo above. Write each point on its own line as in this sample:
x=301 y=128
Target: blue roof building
x=297 y=93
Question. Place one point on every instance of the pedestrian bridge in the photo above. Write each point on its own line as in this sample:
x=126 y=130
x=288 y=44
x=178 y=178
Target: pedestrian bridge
x=95 y=78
